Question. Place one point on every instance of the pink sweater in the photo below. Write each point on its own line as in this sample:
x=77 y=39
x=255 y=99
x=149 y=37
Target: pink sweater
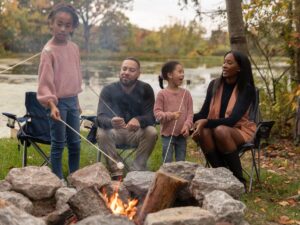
x=168 y=101
x=59 y=72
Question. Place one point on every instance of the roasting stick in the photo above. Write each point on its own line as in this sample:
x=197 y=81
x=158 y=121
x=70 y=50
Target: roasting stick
x=187 y=82
x=120 y=165
x=102 y=101
x=11 y=67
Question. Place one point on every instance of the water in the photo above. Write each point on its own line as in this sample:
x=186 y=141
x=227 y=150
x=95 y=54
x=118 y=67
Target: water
x=13 y=88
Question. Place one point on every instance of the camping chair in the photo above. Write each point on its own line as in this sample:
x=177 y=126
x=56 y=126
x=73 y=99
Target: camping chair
x=263 y=131
x=33 y=127
x=124 y=152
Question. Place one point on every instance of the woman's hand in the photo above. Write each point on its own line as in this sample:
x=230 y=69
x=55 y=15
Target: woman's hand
x=198 y=127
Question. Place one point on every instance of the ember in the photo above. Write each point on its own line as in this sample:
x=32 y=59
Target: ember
x=118 y=207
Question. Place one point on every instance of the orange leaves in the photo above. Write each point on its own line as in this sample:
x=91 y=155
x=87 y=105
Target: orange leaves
x=286 y=220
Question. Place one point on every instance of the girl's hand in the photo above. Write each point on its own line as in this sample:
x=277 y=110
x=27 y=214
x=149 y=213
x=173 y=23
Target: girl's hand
x=54 y=111
x=176 y=115
x=185 y=131
x=198 y=127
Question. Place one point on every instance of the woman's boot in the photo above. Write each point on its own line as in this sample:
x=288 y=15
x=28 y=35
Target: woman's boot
x=214 y=159
x=233 y=162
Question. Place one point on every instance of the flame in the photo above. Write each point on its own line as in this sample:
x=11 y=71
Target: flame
x=118 y=207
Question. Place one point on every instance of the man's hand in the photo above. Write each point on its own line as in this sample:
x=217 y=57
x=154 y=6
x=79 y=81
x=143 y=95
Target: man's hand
x=118 y=122
x=133 y=125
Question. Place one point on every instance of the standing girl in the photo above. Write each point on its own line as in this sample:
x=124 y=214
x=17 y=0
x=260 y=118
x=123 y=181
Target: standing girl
x=59 y=84
x=174 y=110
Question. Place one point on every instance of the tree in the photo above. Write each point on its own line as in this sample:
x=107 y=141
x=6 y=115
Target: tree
x=236 y=26
x=114 y=30
x=91 y=13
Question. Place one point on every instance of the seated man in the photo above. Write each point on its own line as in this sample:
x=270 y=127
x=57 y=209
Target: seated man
x=125 y=117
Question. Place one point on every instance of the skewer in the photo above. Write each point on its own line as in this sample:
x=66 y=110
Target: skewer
x=11 y=67
x=102 y=100
x=120 y=165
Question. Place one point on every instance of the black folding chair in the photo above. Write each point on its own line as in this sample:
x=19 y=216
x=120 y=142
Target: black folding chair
x=263 y=131
x=124 y=152
x=33 y=127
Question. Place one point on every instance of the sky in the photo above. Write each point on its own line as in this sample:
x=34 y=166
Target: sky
x=152 y=14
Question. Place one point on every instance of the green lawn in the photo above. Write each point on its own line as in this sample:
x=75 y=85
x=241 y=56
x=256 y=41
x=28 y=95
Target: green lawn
x=269 y=203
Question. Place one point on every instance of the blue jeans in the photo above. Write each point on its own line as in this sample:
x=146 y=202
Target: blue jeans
x=60 y=135
x=178 y=144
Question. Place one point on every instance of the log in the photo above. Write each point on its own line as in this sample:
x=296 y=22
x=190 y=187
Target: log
x=161 y=194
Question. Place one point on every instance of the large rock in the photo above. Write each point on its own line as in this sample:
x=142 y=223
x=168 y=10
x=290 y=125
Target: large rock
x=4 y=185
x=34 y=182
x=105 y=220
x=93 y=175
x=88 y=202
x=138 y=183
x=59 y=216
x=185 y=170
x=11 y=215
x=181 y=216
x=207 y=180
x=224 y=207
x=17 y=199
x=62 y=196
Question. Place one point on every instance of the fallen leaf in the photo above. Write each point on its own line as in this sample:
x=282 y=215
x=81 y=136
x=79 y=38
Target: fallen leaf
x=272 y=171
x=292 y=202
x=262 y=209
x=284 y=203
x=285 y=220
x=257 y=200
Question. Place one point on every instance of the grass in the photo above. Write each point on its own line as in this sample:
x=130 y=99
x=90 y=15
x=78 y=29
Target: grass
x=268 y=203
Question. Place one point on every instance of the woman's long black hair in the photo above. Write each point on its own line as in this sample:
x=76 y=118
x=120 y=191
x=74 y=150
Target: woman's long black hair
x=245 y=75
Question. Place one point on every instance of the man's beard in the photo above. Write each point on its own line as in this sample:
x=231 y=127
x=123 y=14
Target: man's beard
x=127 y=83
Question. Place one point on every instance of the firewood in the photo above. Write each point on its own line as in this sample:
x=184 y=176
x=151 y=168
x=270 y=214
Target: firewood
x=161 y=194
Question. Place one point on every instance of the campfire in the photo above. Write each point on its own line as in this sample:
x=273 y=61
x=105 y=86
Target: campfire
x=117 y=206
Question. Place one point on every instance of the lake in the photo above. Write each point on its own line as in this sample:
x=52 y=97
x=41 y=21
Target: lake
x=14 y=86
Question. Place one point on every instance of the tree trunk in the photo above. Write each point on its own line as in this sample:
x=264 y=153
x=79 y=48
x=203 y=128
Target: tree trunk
x=161 y=194
x=236 y=26
x=297 y=48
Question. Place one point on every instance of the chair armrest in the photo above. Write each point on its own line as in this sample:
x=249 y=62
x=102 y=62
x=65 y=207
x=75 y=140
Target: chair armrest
x=89 y=118
x=10 y=115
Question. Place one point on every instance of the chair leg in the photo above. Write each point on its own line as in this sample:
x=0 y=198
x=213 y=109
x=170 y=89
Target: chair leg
x=254 y=167
x=24 y=157
x=98 y=156
x=40 y=151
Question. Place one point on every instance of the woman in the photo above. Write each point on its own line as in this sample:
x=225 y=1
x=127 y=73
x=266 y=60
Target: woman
x=223 y=124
